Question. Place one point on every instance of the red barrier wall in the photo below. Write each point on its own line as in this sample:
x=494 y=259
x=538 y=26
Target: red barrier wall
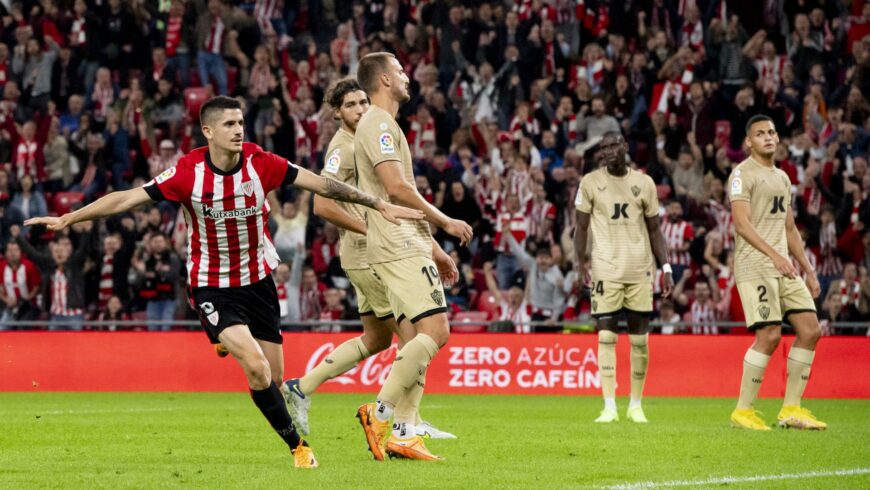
x=471 y=363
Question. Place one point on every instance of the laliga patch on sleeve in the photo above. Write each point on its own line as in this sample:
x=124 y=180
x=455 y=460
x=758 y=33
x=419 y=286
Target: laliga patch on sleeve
x=166 y=175
x=736 y=186
x=332 y=163
x=388 y=146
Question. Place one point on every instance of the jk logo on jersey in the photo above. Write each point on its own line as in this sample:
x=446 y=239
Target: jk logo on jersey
x=778 y=205
x=620 y=210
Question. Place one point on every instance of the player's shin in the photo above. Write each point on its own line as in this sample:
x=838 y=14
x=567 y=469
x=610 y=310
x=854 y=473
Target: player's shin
x=754 y=364
x=798 y=366
x=411 y=362
x=639 y=363
x=607 y=367
x=341 y=360
x=271 y=404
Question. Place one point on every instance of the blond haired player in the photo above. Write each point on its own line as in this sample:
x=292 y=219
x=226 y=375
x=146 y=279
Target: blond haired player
x=621 y=206
x=349 y=102
x=769 y=285
x=401 y=257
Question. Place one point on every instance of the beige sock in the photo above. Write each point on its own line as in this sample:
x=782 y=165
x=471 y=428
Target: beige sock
x=411 y=363
x=407 y=410
x=798 y=365
x=639 y=363
x=754 y=364
x=339 y=361
x=607 y=363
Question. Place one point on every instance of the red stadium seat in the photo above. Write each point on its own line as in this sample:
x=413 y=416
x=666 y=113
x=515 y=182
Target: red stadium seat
x=663 y=191
x=64 y=201
x=470 y=322
x=488 y=304
x=194 y=98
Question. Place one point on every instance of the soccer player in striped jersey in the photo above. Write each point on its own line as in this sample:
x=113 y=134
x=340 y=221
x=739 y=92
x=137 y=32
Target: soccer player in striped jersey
x=222 y=189
x=770 y=288
x=621 y=206
x=349 y=102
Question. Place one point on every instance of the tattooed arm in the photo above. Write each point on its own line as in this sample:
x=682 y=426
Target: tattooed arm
x=333 y=189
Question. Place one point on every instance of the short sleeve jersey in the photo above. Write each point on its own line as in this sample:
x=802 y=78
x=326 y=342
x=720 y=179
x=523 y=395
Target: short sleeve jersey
x=619 y=206
x=339 y=165
x=379 y=139
x=768 y=192
x=226 y=213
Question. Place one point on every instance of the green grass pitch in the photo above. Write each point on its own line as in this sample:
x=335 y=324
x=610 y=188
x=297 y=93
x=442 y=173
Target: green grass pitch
x=109 y=440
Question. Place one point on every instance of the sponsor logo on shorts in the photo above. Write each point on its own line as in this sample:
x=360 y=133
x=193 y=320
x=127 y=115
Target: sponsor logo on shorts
x=438 y=297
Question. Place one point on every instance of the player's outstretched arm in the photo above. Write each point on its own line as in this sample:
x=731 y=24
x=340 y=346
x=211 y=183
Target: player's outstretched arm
x=108 y=205
x=740 y=212
x=329 y=210
x=581 y=235
x=660 y=250
x=796 y=249
x=392 y=177
x=339 y=191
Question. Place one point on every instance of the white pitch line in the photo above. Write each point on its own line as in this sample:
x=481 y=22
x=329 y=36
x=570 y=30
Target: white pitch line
x=738 y=479
x=80 y=412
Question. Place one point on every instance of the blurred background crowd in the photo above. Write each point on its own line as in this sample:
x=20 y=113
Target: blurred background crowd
x=509 y=101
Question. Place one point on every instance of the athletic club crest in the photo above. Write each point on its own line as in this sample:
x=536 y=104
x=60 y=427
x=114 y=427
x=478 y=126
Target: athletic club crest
x=635 y=190
x=764 y=311
x=438 y=297
x=248 y=188
x=210 y=312
x=594 y=305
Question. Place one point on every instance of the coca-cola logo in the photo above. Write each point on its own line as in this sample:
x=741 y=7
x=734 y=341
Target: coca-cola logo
x=372 y=371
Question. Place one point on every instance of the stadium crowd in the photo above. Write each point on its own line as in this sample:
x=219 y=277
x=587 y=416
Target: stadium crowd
x=509 y=99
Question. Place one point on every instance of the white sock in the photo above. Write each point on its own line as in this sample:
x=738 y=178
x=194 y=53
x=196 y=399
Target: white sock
x=610 y=403
x=404 y=430
x=383 y=411
x=633 y=403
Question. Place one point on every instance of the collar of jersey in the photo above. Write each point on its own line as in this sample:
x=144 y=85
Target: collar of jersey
x=218 y=171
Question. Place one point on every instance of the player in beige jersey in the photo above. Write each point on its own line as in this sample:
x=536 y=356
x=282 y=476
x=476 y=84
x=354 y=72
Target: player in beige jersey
x=621 y=206
x=401 y=257
x=349 y=102
x=768 y=283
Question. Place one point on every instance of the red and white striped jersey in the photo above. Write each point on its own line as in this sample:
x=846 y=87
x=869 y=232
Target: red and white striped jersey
x=228 y=240
x=703 y=318
x=214 y=43
x=264 y=12
x=829 y=262
x=420 y=136
x=521 y=316
x=811 y=258
x=19 y=281
x=539 y=213
x=721 y=213
x=59 y=294
x=677 y=235
x=517 y=224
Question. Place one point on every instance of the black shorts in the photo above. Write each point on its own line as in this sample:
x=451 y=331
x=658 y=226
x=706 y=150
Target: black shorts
x=255 y=305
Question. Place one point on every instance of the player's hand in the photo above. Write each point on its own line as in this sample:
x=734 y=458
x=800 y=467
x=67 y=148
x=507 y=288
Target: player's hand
x=446 y=268
x=53 y=223
x=461 y=230
x=784 y=266
x=813 y=285
x=667 y=284
x=393 y=213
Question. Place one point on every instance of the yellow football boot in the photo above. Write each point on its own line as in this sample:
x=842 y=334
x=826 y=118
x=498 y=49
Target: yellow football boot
x=796 y=417
x=747 y=418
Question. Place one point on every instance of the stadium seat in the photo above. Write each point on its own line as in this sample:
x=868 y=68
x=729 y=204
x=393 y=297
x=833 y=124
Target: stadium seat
x=470 y=322
x=194 y=98
x=64 y=201
x=488 y=304
x=663 y=191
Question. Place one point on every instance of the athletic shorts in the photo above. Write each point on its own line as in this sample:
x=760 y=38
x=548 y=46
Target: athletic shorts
x=769 y=301
x=414 y=287
x=371 y=294
x=255 y=305
x=609 y=298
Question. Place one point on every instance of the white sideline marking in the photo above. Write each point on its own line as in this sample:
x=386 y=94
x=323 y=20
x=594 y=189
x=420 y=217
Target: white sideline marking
x=738 y=479
x=80 y=412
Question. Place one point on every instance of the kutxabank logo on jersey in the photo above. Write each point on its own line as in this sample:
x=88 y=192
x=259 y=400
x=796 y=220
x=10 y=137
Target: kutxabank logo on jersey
x=211 y=213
